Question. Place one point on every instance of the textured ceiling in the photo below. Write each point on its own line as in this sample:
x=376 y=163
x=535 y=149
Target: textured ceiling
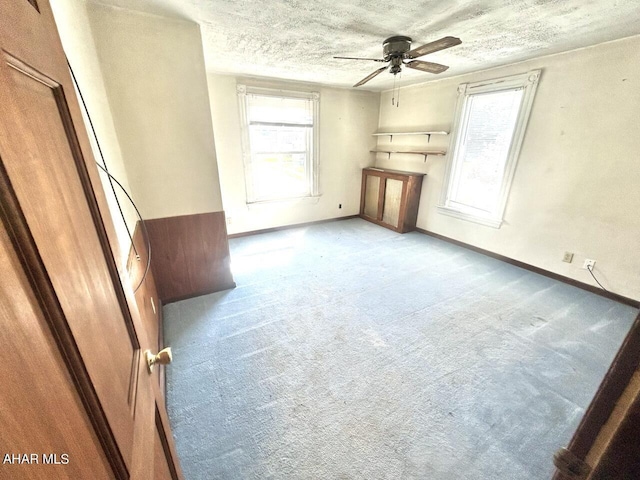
x=295 y=39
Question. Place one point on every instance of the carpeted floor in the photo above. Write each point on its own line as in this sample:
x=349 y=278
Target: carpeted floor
x=348 y=351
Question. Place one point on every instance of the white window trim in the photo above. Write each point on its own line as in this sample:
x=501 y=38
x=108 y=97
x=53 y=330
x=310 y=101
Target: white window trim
x=529 y=82
x=243 y=91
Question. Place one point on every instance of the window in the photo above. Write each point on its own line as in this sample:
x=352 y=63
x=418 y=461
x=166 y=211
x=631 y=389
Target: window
x=279 y=134
x=489 y=126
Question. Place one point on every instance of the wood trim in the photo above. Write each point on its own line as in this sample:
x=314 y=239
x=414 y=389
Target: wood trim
x=363 y=189
x=556 y=276
x=622 y=456
x=287 y=227
x=402 y=211
x=190 y=255
x=395 y=174
x=162 y=369
x=382 y=190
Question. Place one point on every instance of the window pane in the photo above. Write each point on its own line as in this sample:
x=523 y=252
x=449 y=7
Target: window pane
x=262 y=108
x=484 y=148
x=278 y=139
x=280 y=175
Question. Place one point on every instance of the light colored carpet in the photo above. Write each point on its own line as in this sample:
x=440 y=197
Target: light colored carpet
x=348 y=351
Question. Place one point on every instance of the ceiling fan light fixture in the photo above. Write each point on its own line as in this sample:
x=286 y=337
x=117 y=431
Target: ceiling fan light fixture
x=396 y=65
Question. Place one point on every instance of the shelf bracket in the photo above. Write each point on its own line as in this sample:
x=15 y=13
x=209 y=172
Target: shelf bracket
x=425 y=157
x=428 y=138
x=388 y=155
x=390 y=138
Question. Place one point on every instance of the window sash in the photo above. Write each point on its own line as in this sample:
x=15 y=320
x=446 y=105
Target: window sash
x=450 y=203
x=257 y=177
x=456 y=193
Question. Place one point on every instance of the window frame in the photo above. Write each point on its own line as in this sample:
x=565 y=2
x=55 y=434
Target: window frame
x=528 y=82
x=313 y=155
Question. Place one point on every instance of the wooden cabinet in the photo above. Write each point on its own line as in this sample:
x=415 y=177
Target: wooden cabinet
x=390 y=198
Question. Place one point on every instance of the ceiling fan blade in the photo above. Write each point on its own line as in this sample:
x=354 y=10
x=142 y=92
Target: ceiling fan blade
x=429 y=67
x=370 y=76
x=445 y=42
x=360 y=58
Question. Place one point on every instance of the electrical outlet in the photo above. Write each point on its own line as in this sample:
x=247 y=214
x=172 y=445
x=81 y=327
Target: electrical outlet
x=339 y=205
x=228 y=220
x=568 y=257
x=588 y=264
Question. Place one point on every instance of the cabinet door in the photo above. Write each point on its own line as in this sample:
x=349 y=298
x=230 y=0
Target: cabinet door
x=372 y=192
x=392 y=201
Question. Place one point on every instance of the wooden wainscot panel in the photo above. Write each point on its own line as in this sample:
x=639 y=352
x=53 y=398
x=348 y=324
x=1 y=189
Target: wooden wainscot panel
x=190 y=255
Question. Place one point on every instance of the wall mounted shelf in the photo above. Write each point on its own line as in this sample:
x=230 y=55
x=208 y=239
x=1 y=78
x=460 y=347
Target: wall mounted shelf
x=412 y=152
x=427 y=133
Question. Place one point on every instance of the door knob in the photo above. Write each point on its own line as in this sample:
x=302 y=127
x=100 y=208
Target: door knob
x=163 y=357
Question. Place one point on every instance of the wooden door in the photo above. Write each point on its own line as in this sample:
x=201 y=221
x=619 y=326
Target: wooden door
x=74 y=377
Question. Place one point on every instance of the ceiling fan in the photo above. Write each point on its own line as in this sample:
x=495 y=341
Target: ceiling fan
x=396 y=51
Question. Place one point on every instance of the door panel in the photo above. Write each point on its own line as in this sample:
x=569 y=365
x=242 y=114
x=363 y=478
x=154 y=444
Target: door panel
x=371 y=196
x=392 y=199
x=38 y=417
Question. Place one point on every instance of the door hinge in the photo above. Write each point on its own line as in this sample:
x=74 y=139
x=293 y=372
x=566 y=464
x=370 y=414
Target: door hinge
x=569 y=465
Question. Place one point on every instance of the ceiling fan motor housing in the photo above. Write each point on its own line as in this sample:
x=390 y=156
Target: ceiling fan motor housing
x=395 y=47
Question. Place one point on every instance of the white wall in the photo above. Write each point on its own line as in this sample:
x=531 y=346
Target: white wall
x=347 y=120
x=154 y=76
x=577 y=183
x=77 y=40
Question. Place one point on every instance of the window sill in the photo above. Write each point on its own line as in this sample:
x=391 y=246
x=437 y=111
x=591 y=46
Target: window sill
x=309 y=199
x=487 y=221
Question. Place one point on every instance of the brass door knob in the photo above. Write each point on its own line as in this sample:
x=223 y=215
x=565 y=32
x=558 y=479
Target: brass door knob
x=163 y=357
